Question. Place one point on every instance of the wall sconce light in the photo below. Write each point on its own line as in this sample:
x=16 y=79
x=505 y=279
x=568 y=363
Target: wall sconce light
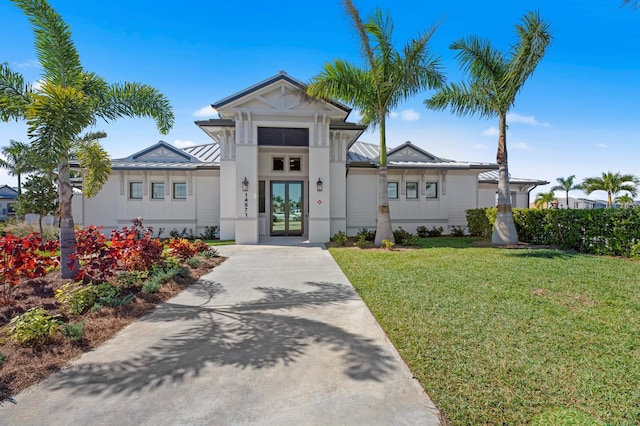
x=319 y=185
x=245 y=185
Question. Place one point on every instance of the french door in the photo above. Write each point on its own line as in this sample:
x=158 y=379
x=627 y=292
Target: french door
x=287 y=208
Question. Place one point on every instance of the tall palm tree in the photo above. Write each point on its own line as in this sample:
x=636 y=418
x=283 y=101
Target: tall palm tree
x=494 y=81
x=544 y=199
x=388 y=77
x=18 y=160
x=612 y=183
x=566 y=185
x=70 y=100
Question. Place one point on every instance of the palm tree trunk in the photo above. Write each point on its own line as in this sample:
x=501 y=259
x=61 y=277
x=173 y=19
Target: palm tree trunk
x=609 y=200
x=383 y=223
x=567 y=200
x=504 y=230
x=67 y=233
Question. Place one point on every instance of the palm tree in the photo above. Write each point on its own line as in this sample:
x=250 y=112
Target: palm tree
x=566 y=185
x=624 y=200
x=544 y=199
x=612 y=183
x=18 y=160
x=633 y=4
x=494 y=82
x=388 y=78
x=69 y=100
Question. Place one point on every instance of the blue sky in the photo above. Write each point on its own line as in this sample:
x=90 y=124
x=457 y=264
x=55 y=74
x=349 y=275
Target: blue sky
x=579 y=114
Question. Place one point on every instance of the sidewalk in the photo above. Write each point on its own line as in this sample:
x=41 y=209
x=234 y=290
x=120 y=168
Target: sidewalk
x=275 y=335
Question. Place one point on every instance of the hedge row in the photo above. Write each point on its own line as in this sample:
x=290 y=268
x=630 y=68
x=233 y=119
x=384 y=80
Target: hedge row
x=598 y=231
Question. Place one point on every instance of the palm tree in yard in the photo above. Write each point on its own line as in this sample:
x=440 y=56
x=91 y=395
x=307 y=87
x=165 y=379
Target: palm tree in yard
x=494 y=81
x=625 y=201
x=566 y=185
x=70 y=100
x=388 y=77
x=544 y=199
x=18 y=160
x=612 y=183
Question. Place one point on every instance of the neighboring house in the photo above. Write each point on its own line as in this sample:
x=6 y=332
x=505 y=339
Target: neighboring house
x=283 y=164
x=8 y=197
x=520 y=190
x=579 y=203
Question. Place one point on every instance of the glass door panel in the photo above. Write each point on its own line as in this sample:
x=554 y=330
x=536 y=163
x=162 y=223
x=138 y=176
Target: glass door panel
x=286 y=208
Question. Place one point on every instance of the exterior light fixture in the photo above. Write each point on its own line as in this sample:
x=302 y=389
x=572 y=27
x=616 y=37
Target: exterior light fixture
x=319 y=184
x=245 y=185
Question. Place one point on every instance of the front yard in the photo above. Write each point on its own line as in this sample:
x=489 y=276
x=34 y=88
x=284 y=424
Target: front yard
x=499 y=336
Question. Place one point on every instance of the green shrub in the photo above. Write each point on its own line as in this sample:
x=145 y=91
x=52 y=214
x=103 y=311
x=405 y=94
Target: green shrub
x=457 y=231
x=75 y=298
x=73 y=330
x=404 y=238
x=361 y=242
x=367 y=234
x=212 y=252
x=180 y=272
x=33 y=326
x=129 y=279
x=193 y=262
x=422 y=231
x=152 y=285
x=388 y=245
x=109 y=296
x=340 y=238
x=607 y=231
x=210 y=233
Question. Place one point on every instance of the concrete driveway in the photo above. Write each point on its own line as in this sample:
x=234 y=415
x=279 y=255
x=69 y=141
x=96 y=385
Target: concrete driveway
x=276 y=335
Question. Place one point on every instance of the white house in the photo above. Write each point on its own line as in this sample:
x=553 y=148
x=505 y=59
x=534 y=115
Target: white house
x=281 y=163
x=8 y=197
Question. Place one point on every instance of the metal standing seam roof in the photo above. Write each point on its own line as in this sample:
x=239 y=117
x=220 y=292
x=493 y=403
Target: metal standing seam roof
x=492 y=177
x=362 y=152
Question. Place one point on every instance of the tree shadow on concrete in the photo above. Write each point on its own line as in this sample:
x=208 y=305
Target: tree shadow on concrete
x=246 y=335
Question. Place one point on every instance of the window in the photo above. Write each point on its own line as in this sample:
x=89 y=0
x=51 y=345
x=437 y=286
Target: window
x=135 y=190
x=179 y=190
x=278 y=163
x=157 y=190
x=261 y=197
x=283 y=136
x=431 y=189
x=294 y=164
x=392 y=189
x=412 y=190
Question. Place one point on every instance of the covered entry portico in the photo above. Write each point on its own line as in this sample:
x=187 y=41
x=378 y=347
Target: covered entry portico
x=283 y=162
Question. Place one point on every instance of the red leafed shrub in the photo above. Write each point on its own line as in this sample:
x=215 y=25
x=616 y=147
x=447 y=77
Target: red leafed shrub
x=182 y=248
x=98 y=260
x=138 y=250
x=23 y=259
x=200 y=246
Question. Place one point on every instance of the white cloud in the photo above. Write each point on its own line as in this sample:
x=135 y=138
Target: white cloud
x=479 y=146
x=410 y=115
x=491 y=131
x=205 y=111
x=393 y=114
x=182 y=144
x=31 y=63
x=37 y=85
x=602 y=145
x=522 y=146
x=525 y=119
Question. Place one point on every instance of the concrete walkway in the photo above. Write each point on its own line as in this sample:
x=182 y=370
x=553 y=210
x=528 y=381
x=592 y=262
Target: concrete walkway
x=276 y=335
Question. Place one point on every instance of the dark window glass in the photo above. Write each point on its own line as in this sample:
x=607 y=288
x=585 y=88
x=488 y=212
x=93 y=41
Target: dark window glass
x=157 y=190
x=392 y=189
x=431 y=190
x=412 y=190
x=262 y=208
x=278 y=163
x=294 y=164
x=283 y=136
x=135 y=190
x=179 y=190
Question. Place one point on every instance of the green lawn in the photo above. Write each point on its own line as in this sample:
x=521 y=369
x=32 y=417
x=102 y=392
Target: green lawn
x=501 y=336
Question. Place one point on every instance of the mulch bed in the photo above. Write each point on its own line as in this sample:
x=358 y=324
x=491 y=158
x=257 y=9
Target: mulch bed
x=27 y=365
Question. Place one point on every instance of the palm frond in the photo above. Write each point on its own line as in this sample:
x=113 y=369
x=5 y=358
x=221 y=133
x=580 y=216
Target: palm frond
x=137 y=100
x=14 y=94
x=462 y=99
x=55 y=49
x=480 y=59
x=96 y=166
x=534 y=38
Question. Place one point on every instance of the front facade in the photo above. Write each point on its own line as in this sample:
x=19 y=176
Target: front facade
x=282 y=164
